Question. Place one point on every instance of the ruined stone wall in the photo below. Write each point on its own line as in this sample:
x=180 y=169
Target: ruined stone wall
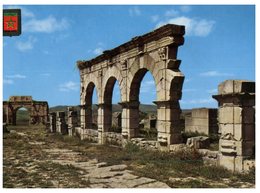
x=155 y=52
x=236 y=119
x=38 y=110
x=90 y=135
x=202 y=120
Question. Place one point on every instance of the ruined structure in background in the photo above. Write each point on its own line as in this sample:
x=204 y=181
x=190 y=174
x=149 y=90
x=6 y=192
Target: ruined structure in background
x=236 y=119
x=72 y=120
x=52 y=122
x=38 y=110
x=155 y=52
x=202 y=120
x=61 y=126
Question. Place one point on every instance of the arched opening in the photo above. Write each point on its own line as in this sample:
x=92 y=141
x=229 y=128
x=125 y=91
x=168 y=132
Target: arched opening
x=143 y=93
x=112 y=111
x=91 y=114
x=22 y=116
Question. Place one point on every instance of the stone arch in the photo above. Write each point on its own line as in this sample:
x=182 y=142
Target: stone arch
x=134 y=101
x=107 y=103
x=88 y=115
x=28 y=109
x=91 y=79
x=38 y=110
x=137 y=71
x=112 y=75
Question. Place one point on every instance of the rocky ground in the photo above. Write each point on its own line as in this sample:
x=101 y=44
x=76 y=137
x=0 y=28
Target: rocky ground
x=34 y=158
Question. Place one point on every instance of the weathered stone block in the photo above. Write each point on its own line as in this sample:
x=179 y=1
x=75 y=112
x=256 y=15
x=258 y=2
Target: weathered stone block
x=200 y=142
x=236 y=86
x=227 y=162
x=231 y=115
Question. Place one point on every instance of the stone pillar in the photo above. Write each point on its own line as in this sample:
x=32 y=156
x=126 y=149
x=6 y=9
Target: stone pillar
x=61 y=126
x=236 y=120
x=82 y=116
x=88 y=116
x=104 y=121
x=168 y=122
x=72 y=120
x=52 y=119
x=130 y=119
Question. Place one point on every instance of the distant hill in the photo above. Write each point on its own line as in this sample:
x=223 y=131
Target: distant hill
x=115 y=108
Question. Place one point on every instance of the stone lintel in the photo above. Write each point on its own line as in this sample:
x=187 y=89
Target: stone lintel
x=238 y=96
x=104 y=105
x=129 y=104
x=167 y=104
x=169 y=30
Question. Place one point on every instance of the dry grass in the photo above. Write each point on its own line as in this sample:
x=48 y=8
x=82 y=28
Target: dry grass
x=25 y=165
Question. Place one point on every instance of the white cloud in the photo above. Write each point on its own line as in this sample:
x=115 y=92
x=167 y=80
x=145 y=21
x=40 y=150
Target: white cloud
x=98 y=51
x=16 y=76
x=212 y=91
x=26 y=45
x=134 y=11
x=193 y=27
x=203 y=27
x=198 y=101
x=8 y=81
x=69 y=86
x=171 y=13
x=47 y=25
x=215 y=73
x=185 y=8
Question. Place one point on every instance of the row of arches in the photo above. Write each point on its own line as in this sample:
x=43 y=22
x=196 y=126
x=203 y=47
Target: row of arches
x=168 y=86
x=155 y=52
x=111 y=89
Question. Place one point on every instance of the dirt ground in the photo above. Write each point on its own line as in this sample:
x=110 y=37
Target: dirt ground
x=34 y=158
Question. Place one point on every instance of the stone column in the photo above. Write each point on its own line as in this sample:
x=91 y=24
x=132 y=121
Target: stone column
x=168 y=122
x=130 y=119
x=88 y=116
x=236 y=120
x=82 y=116
x=72 y=120
x=104 y=120
x=52 y=119
x=61 y=126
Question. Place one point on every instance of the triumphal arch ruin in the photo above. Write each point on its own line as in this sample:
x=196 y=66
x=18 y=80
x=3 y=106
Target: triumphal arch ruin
x=38 y=110
x=155 y=52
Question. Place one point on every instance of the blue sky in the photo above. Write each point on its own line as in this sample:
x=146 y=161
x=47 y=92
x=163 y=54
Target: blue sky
x=219 y=45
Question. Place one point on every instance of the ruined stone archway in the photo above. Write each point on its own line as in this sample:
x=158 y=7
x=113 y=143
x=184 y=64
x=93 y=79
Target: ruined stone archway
x=88 y=116
x=155 y=52
x=22 y=116
x=38 y=110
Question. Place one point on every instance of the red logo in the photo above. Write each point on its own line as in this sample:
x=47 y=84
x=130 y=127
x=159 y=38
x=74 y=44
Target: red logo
x=11 y=22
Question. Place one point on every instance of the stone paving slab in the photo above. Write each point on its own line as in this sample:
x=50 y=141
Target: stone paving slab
x=102 y=176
